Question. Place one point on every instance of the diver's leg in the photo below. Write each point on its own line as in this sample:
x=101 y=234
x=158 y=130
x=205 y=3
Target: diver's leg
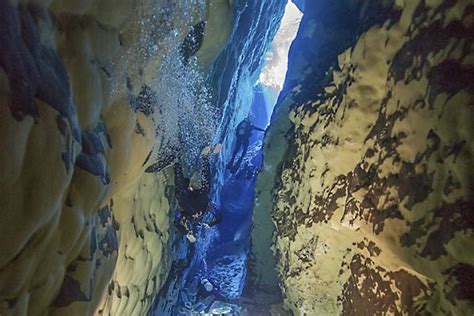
x=245 y=146
x=238 y=144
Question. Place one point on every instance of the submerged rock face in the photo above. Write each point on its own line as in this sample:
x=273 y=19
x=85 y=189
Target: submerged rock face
x=369 y=161
x=84 y=228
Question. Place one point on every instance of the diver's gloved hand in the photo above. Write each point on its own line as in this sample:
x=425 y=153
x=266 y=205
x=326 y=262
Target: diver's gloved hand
x=191 y=237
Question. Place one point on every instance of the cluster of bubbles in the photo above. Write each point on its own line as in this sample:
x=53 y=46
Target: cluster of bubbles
x=160 y=21
x=182 y=109
x=186 y=116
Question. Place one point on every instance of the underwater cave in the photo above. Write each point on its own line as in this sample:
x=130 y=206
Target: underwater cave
x=236 y=157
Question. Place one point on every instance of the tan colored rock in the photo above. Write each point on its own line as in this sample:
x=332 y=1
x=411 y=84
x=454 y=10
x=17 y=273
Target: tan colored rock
x=84 y=228
x=373 y=202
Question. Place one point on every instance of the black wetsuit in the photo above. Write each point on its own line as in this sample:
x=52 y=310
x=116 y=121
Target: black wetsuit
x=242 y=134
x=192 y=201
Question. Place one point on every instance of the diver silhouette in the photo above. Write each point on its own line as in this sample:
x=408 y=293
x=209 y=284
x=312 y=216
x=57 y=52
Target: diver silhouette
x=192 y=193
x=242 y=133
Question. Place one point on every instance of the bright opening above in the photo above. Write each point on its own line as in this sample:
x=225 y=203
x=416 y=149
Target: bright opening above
x=274 y=72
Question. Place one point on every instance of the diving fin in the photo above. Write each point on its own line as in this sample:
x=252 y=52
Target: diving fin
x=210 y=150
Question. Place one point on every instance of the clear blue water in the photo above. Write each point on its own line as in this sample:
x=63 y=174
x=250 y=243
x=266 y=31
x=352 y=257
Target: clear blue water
x=220 y=253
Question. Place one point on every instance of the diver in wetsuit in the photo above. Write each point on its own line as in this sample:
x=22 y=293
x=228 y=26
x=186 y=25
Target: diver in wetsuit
x=193 y=195
x=242 y=133
x=192 y=201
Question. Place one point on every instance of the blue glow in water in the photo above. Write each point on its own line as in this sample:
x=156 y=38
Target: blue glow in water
x=220 y=253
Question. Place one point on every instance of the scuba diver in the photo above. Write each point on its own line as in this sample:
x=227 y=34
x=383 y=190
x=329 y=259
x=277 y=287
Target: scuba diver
x=192 y=193
x=242 y=134
x=192 y=200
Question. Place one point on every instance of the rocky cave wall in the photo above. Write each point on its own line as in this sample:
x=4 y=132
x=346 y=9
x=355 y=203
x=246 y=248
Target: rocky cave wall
x=84 y=228
x=368 y=175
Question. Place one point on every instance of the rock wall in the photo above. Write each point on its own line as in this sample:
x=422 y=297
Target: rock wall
x=368 y=174
x=84 y=228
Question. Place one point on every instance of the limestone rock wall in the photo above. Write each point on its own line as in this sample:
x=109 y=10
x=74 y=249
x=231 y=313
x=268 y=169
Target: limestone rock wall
x=369 y=161
x=84 y=228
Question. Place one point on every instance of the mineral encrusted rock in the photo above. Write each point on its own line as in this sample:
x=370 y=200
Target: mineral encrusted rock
x=368 y=162
x=84 y=228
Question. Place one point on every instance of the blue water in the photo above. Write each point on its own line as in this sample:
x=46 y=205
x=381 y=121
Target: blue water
x=220 y=253
x=228 y=256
